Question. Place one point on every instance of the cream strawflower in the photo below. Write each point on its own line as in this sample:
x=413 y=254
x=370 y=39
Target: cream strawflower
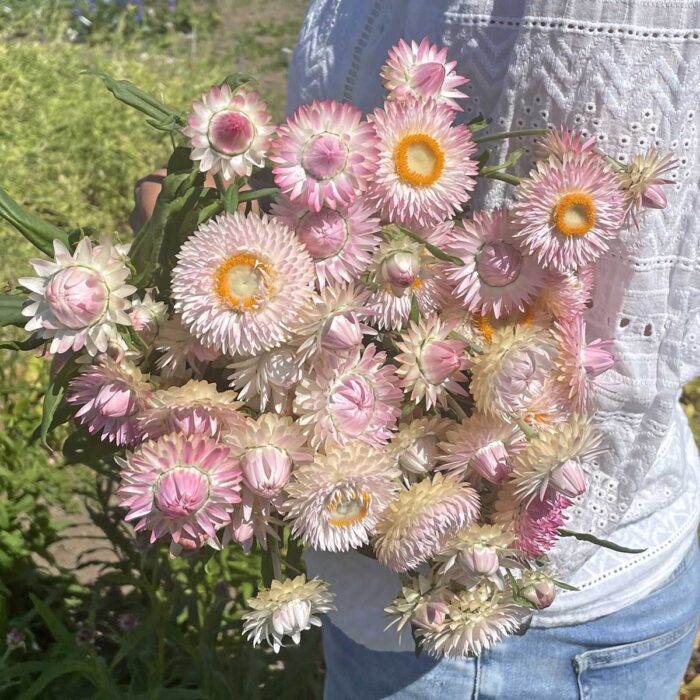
x=403 y=270
x=340 y=241
x=431 y=363
x=181 y=486
x=426 y=170
x=359 y=399
x=422 y=602
x=569 y=210
x=195 y=408
x=556 y=461
x=414 y=526
x=267 y=380
x=415 y=445
x=79 y=298
x=484 y=444
x=324 y=155
x=229 y=132
x=334 y=503
x=287 y=609
x=181 y=353
x=268 y=449
x=240 y=282
x=512 y=370
x=475 y=620
x=497 y=275
x=110 y=397
x=579 y=363
x=329 y=325
x=475 y=551
x=422 y=71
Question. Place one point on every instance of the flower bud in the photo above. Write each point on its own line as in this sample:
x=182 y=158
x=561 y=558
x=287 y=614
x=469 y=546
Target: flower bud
x=77 y=296
x=441 y=359
x=115 y=400
x=400 y=270
x=569 y=479
x=430 y=615
x=427 y=79
x=597 y=358
x=538 y=588
x=491 y=461
x=479 y=560
x=342 y=334
x=654 y=198
x=322 y=233
x=266 y=470
x=421 y=456
x=292 y=618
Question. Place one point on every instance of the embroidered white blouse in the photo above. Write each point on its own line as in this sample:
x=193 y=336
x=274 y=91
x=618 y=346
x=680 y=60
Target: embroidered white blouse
x=629 y=73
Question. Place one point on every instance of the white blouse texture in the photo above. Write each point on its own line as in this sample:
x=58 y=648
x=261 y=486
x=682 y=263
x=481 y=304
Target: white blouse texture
x=627 y=72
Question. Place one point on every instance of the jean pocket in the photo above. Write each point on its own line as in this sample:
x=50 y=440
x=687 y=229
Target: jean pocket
x=651 y=669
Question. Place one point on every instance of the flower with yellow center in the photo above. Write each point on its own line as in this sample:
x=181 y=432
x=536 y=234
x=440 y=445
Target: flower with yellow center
x=568 y=210
x=334 y=502
x=240 y=282
x=426 y=170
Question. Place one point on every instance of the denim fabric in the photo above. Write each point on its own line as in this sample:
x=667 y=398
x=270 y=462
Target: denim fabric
x=638 y=653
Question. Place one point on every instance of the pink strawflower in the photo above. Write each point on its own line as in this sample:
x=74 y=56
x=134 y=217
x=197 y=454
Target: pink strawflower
x=267 y=380
x=578 y=362
x=330 y=324
x=181 y=353
x=559 y=142
x=404 y=270
x=268 y=449
x=324 y=155
x=426 y=170
x=415 y=526
x=79 y=298
x=566 y=294
x=196 y=408
x=240 y=281
x=569 y=210
x=431 y=363
x=497 y=275
x=229 y=132
x=359 y=399
x=340 y=241
x=536 y=523
x=182 y=487
x=111 y=397
x=335 y=502
x=422 y=71
x=482 y=444
x=643 y=181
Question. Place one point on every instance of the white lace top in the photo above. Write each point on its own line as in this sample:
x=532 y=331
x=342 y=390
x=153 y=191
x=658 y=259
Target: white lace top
x=628 y=72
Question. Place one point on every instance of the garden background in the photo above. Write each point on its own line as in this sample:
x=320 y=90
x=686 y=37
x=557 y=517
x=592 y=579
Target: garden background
x=86 y=610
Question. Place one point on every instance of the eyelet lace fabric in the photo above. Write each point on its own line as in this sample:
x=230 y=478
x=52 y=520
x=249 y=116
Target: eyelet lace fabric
x=628 y=73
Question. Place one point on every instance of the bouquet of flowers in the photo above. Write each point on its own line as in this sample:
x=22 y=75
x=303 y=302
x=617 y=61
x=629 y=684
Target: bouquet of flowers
x=352 y=358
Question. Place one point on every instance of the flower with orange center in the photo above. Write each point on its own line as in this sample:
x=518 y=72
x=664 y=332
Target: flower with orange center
x=568 y=210
x=240 y=282
x=335 y=501
x=426 y=170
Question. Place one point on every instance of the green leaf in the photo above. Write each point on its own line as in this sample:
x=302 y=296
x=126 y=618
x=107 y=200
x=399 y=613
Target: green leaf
x=267 y=570
x=565 y=586
x=55 y=411
x=231 y=199
x=415 y=310
x=587 y=537
x=82 y=448
x=11 y=310
x=250 y=195
x=161 y=116
x=478 y=123
x=236 y=81
x=37 y=231
x=30 y=343
x=56 y=627
x=513 y=158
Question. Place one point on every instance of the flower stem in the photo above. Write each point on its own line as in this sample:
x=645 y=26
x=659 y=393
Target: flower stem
x=220 y=184
x=529 y=433
x=432 y=249
x=276 y=558
x=587 y=537
x=510 y=135
x=258 y=194
x=504 y=177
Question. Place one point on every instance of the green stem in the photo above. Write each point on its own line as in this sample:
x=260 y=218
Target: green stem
x=220 y=184
x=276 y=558
x=511 y=135
x=258 y=194
x=504 y=177
x=587 y=537
x=529 y=433
x=432 y=249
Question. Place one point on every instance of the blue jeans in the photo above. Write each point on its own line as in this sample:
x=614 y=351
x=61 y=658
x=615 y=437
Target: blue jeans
x=638 y=653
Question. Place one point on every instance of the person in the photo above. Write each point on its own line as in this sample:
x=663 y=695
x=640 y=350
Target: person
x=627 y=72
